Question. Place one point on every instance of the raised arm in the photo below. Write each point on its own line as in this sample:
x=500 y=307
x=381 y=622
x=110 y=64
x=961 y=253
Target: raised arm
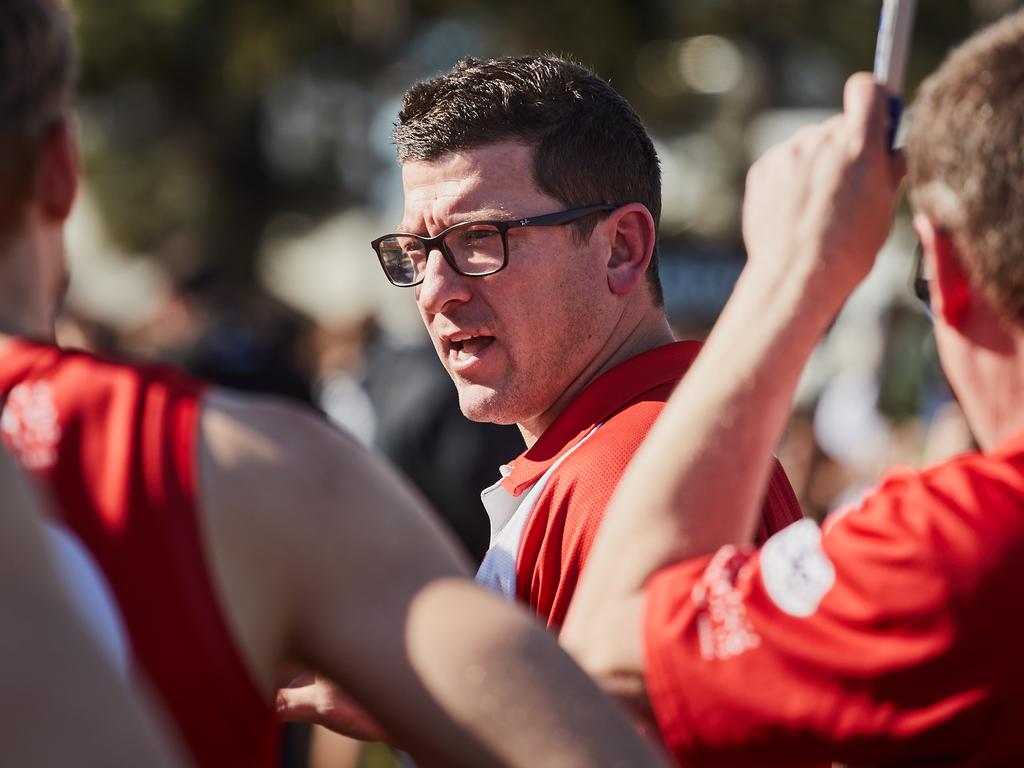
x=332 y=563
x=817 y=210
x=66 y=705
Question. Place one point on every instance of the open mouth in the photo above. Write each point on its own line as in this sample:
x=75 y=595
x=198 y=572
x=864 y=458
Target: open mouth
x=467 y=349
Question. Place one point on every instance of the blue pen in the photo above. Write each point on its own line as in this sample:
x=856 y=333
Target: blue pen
x=891 y=51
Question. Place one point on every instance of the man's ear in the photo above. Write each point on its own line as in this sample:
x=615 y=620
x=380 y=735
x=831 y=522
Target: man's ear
x=632 y=238
x=950 y=288
x=56 y=177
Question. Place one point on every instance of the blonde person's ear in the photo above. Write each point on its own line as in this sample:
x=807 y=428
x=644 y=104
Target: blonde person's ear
x=950 y=287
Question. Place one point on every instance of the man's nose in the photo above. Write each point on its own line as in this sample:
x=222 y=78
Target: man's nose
x=442 y=286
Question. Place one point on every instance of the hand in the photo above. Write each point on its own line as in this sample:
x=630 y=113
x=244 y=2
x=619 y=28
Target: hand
x=818 y=207
x=312 y=699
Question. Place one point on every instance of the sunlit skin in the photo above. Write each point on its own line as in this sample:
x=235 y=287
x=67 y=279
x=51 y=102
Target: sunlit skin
x=322 y=558
x=817 y=211
x=35 y=275
x=522 y=343
x=980 y=351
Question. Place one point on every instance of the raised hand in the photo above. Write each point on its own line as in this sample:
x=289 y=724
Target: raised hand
x=819 y=207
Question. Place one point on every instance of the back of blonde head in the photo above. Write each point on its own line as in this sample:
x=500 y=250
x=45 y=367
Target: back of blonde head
x=965 y=155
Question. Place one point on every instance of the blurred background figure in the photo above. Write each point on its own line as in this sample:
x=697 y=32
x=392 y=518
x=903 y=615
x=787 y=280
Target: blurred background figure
x=234 y=335
x=238 y=163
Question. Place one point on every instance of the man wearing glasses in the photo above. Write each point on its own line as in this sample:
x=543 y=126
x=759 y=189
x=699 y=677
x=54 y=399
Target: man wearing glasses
x=532 y=197
x=890 y=636
x=243 y=537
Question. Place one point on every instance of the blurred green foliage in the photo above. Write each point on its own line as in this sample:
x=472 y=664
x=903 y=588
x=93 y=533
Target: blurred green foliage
x=176 y=94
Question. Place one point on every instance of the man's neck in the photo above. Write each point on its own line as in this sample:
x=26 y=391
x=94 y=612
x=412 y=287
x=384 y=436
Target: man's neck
x=648 y=334
x=22 y=313
x=993 y=396
x=17 y=325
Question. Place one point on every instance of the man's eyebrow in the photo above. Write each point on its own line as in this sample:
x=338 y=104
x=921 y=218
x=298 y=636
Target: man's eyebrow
x=402 y=228
x=484 y=214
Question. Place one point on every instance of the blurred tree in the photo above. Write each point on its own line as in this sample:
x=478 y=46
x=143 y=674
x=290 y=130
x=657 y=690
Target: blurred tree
x=204 y=119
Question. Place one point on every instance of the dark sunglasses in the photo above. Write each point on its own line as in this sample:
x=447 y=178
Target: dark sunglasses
x=918 y=282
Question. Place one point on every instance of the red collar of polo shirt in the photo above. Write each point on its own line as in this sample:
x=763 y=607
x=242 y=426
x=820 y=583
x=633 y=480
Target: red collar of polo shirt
x=1011 y=445
x=608 y=393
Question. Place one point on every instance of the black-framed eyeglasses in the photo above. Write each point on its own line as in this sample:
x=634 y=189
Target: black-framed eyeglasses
x=919 y=282
x=472 y=248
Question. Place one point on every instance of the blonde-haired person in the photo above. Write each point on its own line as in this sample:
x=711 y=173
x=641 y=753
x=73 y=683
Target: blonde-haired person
x=890 y=636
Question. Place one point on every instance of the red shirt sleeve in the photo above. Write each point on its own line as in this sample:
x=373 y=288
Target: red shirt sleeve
x=866 y=643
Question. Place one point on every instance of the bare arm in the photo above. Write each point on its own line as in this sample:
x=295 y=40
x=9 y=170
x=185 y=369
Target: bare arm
x=817 y=210
x=347 y=574
x=91 y=718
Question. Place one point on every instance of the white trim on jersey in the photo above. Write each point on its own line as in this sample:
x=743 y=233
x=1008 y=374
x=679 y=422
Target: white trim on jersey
x=508 y=515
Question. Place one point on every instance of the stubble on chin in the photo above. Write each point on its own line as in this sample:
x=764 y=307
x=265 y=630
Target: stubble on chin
x=486 y=405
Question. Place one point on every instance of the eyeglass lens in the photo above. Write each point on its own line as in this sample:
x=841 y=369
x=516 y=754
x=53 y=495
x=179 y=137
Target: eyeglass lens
x=920 y=282
x=476 y=249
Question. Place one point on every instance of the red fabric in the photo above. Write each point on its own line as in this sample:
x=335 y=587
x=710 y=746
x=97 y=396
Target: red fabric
x=911 y=655
x=561 y=529
x=123 y=478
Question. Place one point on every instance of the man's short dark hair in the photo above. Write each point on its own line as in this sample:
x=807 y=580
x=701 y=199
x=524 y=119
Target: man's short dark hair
x=589 y=144
x=37 y=72
x=965 y=156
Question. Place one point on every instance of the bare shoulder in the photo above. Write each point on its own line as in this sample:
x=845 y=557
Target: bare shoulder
x=299 y=518
x=245 y=433
x=278 y=459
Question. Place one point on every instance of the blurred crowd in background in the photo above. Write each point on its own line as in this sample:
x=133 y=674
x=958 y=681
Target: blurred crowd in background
x=238 y=162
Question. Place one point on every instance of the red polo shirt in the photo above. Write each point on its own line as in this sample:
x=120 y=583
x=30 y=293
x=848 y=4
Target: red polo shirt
x=889 y=638
x=547 y=508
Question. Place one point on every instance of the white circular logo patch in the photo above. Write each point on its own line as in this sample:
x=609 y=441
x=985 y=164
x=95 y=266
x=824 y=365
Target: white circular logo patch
x=31 y=425
x=795 y=570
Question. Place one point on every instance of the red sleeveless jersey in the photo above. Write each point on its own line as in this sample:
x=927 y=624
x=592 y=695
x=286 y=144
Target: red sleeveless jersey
x=115 y=448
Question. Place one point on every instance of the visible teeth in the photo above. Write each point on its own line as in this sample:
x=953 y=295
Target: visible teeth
x=468 y=347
